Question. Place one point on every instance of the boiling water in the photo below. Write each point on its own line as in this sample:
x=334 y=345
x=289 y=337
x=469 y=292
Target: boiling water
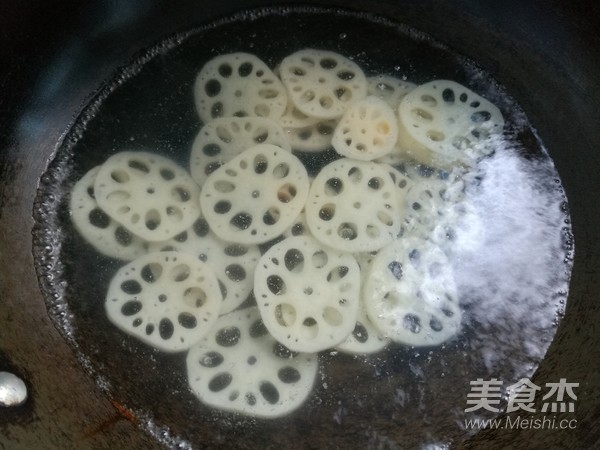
x=511 y=254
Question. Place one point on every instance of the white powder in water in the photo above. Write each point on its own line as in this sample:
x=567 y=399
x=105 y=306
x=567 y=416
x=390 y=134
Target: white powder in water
x=511 y=266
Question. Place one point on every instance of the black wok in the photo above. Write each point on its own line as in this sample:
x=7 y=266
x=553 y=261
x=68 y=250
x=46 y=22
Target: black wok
x=55 y=56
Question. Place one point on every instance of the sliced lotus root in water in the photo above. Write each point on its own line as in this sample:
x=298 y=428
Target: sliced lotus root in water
x=322 y=83
x=403 y=184
x=233 y=264
x=353 y=206
x=410 y=293
x=307 y=294
x=390 y=89
x=313 y=138
x=299 y=227
x=443 y=123
x=223 y=139
x=399 y=155
x=256 y=196
x=238 y=84
x=437 y=208
x=239 y=367
x=103 y=233
x=367 y=130
x=431 y=199
x=168 y=300
x=459 y=229
x=365 y=338
x=294 y=118
x=148 y=194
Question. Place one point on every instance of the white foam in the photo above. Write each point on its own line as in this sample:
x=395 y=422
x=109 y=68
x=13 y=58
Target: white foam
x=511 y=267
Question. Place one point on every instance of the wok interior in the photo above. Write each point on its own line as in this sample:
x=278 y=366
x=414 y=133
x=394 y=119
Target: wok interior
x=400 y=383
x=180 y=407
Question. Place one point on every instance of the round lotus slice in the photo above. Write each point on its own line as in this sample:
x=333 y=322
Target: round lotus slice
x=256 y=196
x=410 y=294
x=389 y=89
x=239 y=367
x=322 y=83
x=104 y=234
x=444 y=123
x=168 y=300
x=223 y=139
x=430 y=199
x=352 y=206
x=294 y=118
x=365 y=338
x=313 y=138
x=307 y=294
x=367 y=130
x=238 y=84
x=438 y=208
x=233 y=264
x=148 y=194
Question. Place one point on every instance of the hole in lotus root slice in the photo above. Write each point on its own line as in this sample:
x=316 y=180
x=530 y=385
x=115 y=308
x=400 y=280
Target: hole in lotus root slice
x=338 y=190
x=106 y=235
x=252 y=377
x=285 y=314
x=178 y=307
x=270 y=189
x=228 y=336
x=150 y=273
x=367 y=130
x=276 y=285
x=238 y=85
x=307 y=315
x=149 y=205
x=443 y=124
x=412 y=309
x=223 y=139
x=233 y=264
x=318 y=88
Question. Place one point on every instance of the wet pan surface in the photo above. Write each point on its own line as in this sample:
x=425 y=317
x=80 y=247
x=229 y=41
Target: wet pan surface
x=511 y=309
